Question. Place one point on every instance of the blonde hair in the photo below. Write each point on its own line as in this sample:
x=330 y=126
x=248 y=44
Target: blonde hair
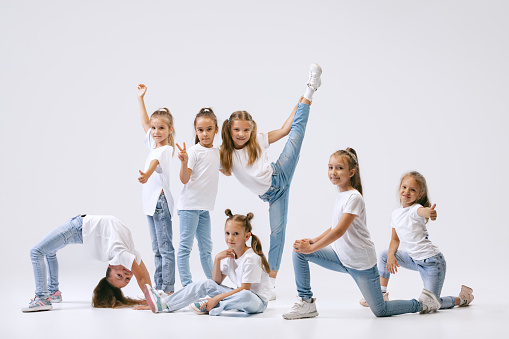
x=253 y=148
x=256 y=245
x=164 y=114
x=353 y=163
x=424 y=199
x=206 y=112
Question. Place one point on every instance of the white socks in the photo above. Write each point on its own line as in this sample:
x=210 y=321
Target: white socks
x=309 y=93
x=463 y=302
x=384 y=289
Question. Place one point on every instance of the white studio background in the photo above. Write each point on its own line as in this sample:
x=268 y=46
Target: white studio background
x=411 y=85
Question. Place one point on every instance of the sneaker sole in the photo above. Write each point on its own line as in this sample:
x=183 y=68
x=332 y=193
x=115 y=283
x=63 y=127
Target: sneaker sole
x=308 y=315
x=197 y=310
x=38 y=309
x=464 y=293
x=150 y=300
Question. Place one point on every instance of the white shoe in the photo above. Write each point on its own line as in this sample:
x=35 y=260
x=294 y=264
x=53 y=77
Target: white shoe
x=273 y=289
x=365 y=304
x=302 y=309
x=429 y=301
x=315 y=71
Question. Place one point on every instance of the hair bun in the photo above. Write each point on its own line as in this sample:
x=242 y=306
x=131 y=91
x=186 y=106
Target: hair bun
x=249 y=216
x=228 y=212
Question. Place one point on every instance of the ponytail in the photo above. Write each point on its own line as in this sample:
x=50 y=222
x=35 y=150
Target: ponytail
x=256 y=245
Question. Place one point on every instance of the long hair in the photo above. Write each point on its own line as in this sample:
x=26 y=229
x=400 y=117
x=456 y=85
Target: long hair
x=353 y=163
x=424 y=199
x=206 y=112
x=164 y=113
x=108 y=296
x=253 y=148
x=256 y=245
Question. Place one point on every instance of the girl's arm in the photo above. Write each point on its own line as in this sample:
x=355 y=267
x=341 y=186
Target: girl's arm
x=427 y=212
x=327 y=238
x=287 y=126
x=217 y=275
x=212 y=302
x=284 y=130
x=151 y=168
x=185 y=172
x=392 y=263
x=141 y=274
x=145 y=121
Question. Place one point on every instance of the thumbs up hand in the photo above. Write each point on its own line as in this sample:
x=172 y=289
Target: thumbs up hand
x=433 y=212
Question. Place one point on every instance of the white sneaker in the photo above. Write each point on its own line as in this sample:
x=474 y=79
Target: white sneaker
x=302 y=309
x=365 y=304
x=272 y=289
x=315 y=71
x=429 y=302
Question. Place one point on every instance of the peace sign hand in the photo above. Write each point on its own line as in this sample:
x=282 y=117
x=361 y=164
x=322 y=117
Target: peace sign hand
x=433 y=212
x=182 y=154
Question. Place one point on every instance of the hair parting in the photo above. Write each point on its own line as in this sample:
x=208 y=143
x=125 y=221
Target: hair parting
x=256 y=244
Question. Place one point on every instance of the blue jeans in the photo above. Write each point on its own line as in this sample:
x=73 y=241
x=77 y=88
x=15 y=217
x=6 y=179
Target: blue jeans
x=432 y=271
x=245 y=301
x=162 y=246
x=69 y=233
x=368 y=282
x=194 y=223
x=279 y=192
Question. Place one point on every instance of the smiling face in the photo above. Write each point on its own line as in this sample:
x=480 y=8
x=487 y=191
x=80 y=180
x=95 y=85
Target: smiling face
x=240 y=131
x=409 y=191
x=236 y=236
x=119 y=276
x=206 y=130
x=160 y=131
x=340 y=173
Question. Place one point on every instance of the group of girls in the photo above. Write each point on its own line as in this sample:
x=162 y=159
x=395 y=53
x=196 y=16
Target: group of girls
x=345 y=247
x=243 y=153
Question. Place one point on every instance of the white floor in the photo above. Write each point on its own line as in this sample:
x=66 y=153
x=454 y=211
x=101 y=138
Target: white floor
x=337 y=297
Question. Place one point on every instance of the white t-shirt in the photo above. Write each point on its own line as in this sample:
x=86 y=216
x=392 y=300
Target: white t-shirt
x=412 y=232
x=257 y=177
x=160 y=179
x=355 y=248
x=248 y=270
x=201 y=190
x=109 y=240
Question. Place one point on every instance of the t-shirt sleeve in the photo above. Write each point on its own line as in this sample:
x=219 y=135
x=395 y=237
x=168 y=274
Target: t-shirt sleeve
x=149 y=141
x=224 y=266
x=162 y=155
x=193 y=158
x=263 y=140
x=252 y=270
x=413 y=212
x=125 y=259
x=354 y=205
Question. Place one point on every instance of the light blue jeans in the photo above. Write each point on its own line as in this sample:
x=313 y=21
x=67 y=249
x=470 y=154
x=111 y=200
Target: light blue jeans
x=46 y=250
x=162 y=246
x=279 y=192
x=368 y=282
x=194 y=223
x=245 y=301
x=432 y=271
